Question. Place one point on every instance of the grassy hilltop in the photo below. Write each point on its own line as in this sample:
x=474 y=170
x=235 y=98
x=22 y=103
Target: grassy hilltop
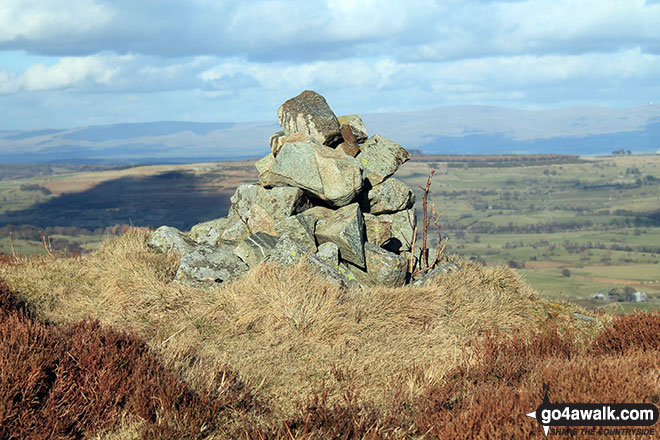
x=282 y=354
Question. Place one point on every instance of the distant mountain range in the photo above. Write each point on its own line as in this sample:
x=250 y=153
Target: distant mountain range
x=445 y=130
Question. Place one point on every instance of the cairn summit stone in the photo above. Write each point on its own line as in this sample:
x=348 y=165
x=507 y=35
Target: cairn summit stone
x=325 y=173
x=310 y=113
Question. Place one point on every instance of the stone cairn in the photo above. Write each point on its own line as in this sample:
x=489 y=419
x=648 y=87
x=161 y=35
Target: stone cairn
x=325 y=195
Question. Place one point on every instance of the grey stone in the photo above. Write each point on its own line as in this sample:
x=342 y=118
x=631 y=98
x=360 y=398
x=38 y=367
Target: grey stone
x=402 y=230
x=168 y=239
x=355 y=274
x=345 y=228
x=255 y=248
x=210 y=264
x=357 y=126
x=378 y=228
x=325 y=173
x=209 y=232
x=329 y=252
x=390 y=196
x=256 y=209
x=299 y=228
x=380 y=158
x=331 y=272
x=310 y=113
x=383 y=267
x=286 y=252
x=433 y=274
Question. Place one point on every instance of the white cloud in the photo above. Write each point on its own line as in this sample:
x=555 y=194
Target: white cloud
x=70 y=72
x=40 y=20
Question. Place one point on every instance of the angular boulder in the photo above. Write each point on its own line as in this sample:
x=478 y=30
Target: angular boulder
x=209 y=232
x=325 y=173
x=345 y=228
x=255 y=248
x=383 y=267
x=350 y=145
x=256 y=209
x=210 y=264
x=299 y=228
x=357 y=126
x=378 y=228
x=286 y=252
x=310 y=113
x=332 y=273
x=329 y=252
x=438 y=271
x=168 y=239
x=380 y=158
x=390 y=196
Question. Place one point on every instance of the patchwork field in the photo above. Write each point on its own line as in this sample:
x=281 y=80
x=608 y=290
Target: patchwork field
x=570 y=226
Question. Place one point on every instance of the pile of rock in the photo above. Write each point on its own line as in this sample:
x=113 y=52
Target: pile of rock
x=324 y=194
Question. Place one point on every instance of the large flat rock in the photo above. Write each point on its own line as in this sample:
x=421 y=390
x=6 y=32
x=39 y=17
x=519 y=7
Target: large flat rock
x=323 y=172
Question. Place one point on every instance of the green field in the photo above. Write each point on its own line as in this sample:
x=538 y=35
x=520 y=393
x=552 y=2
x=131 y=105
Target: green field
x=571 y=226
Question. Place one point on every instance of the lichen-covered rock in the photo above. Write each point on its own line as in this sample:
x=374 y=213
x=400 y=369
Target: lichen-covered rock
x=383 y=267
x=255 y=248
x=380 y=158
x=331 y=272
x=168 y=239
x=325 y=173
x=402 y=230
x=329 y=252
x=256 y=209
x=438 y=271
x=345 y=228
x=210 y=264
x=286 y=252
x=357 y=126
x=310 y=113
x=299 y=228
x=378 y=228
x=208 y=232
x=390 y=196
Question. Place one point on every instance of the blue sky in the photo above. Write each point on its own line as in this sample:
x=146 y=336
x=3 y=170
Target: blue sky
x=68 y=63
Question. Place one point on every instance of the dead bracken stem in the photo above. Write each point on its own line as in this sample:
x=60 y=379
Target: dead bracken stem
x=48 y=246
x=11 y=243
x=424 y=265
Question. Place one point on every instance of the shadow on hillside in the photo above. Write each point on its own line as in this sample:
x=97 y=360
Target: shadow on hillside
x=174 y=198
